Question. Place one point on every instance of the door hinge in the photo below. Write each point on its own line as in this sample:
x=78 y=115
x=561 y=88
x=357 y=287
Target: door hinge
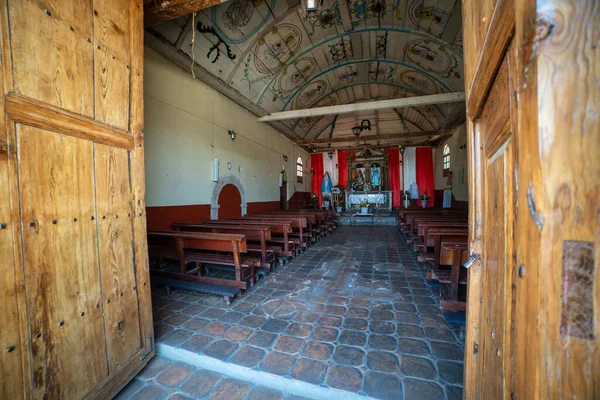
x=142 y=358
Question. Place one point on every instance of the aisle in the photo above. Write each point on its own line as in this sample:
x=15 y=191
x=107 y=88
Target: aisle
x=353 y=314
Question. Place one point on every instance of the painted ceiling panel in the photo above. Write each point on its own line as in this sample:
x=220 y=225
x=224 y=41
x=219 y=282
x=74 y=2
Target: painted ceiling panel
x=357 y=50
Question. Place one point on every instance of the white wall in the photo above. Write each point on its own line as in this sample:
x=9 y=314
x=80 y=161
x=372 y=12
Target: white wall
x=186 y=126
x=458 y=160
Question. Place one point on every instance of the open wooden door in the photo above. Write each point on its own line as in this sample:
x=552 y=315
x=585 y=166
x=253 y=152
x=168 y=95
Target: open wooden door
x=533 y=94
x=75 y=306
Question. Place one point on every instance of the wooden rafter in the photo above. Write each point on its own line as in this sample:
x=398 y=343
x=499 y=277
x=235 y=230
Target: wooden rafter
x=367 y=106
x=157 y=11
x=408 y=135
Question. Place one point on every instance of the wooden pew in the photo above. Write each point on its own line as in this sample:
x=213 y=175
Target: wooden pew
x=297 y=238
x=301 y=224
x=283 y=246
x=405 y=213
x=450 y=248
x=409 y=217
x=420 y=238
x=253 y=233
x=311 y=228
x=316 y=220
x=413 y=233
x=454 y=254
x=199 y=248
x=434 y=236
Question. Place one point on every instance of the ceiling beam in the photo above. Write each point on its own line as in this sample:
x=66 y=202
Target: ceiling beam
x=157 y=11
x=409 y=135
x=368 y=106
x=183 y=61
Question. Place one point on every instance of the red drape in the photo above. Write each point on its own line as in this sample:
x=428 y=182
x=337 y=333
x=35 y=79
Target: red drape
x=394 y=170
x=424 y=166
x=316 y=165
x=343 y=167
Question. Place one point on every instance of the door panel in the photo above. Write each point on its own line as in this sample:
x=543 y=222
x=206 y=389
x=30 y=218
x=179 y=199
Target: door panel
x=496 y=270
x=51 y=62
x=75 y=300
x=56 y=181
x=115 y=240
x=112 y=62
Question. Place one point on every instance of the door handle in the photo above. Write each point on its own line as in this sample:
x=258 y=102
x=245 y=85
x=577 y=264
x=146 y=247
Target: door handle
x=474 y=257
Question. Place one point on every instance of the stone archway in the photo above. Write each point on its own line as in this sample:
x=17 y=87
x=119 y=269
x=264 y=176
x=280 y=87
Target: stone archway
x=226 y=180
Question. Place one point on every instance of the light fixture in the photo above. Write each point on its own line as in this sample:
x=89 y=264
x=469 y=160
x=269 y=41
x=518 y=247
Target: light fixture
x=285 y=158
x=330 y=154
x=365 y=124
x=232 y=135
x=402 y=150
x=310 y=9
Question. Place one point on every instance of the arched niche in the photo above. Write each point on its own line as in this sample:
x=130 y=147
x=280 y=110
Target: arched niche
x=226 y=180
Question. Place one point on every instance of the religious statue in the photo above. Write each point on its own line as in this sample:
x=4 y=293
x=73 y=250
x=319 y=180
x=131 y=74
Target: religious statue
x=360 y=177
x=375 y=179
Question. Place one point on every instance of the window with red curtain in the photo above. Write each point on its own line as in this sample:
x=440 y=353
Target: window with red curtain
x=343 y=167
x=394 y=171
x=316 y=165
x=424 y=173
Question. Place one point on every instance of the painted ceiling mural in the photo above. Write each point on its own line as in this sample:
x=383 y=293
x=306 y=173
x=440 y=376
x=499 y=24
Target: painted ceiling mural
x=357 y=50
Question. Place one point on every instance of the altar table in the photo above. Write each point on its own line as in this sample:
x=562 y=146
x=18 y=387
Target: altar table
x=383 y=198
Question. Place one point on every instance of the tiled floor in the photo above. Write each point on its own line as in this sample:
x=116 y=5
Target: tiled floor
x=353 y=313
x=164 y=379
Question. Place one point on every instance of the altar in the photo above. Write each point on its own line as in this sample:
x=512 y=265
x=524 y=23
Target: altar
x=382 y=198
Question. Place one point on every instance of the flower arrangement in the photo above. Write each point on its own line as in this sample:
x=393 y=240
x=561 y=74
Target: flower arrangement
x=313 y=200
x=364 y=203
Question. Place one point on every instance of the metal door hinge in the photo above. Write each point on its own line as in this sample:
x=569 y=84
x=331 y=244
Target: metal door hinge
x=471 y=260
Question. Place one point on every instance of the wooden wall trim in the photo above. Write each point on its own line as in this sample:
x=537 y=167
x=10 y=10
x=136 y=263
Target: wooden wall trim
x=497 y=39
x=28 y=111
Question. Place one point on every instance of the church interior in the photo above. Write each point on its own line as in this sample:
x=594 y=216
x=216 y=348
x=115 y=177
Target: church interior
x=300 y=199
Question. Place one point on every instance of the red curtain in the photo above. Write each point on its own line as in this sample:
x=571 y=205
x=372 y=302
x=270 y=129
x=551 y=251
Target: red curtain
x=424 y=166
x=394 y=170
x=316 y=165
x=343 y=167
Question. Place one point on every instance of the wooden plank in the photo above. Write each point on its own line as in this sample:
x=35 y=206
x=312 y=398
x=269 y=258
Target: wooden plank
x=442 y=98
x=138 y=188
x=14 y=364
x=62 y=282
x=112 y=62
x=11 y=369
x=121 y=376
x=51 y=62
x=497 y=39
x=560 y=175
x=115 y=238
x=157 y=11
x=31 y=112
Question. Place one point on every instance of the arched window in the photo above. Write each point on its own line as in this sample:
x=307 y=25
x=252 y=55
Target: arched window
x=299 y=171
x=446 y=160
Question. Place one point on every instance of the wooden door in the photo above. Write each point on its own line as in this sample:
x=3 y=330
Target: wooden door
x=74 y=290
x=533 y=93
